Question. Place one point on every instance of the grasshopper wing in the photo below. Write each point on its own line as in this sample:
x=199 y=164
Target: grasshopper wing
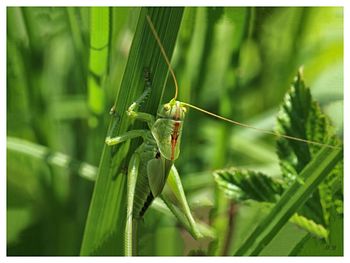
x=156 y=175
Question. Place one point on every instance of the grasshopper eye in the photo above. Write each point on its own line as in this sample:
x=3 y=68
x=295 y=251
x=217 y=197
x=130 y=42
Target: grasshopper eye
x=166 y=107
x=184 y=109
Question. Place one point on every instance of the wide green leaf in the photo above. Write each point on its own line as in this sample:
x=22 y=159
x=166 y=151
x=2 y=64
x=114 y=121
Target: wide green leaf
x=104 y=231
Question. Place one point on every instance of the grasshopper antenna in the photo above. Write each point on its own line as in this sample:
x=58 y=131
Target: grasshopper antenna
x=258 y=129
x=155 y=34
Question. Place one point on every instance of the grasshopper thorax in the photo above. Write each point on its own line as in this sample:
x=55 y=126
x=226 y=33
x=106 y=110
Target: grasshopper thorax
x=173 y=110
x=167 y=129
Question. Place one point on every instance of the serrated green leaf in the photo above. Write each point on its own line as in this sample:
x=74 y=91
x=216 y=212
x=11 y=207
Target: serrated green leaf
x=292 y=199
x=333 y=246
x=309 y=225
x=240 y=185
x=300 y=116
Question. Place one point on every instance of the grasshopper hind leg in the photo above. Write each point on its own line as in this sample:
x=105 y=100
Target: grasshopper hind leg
x=130 y=227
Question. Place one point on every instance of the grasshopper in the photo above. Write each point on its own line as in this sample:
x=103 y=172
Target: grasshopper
x=152 y=162
x=151 y=166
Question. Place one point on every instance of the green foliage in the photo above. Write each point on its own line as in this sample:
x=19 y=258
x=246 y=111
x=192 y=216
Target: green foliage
x=301 y=117
x=66 y=67
x=293 y=198
x=304 y=170
x=309 y=225
x=310 y=246
x=241 y=185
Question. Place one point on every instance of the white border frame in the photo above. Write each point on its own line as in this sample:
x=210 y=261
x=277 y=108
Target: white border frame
x=5 y=3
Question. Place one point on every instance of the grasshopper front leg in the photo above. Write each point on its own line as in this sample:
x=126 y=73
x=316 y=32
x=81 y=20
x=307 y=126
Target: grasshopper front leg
x=134 y=133
x=124 y=137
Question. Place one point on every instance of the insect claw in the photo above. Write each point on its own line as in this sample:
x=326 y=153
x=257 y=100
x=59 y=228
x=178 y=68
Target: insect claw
x=131 y=113
x=112 y=110
x=132 y=107
x=108 y=140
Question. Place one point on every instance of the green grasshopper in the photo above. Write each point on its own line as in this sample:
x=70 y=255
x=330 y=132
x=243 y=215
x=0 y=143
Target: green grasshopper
x=151 y=166
x=152 y=162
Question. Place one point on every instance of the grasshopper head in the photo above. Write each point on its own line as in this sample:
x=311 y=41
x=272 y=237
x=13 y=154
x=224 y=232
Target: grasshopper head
x=173 y=110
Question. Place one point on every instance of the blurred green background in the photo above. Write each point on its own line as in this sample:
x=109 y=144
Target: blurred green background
x=62 y=79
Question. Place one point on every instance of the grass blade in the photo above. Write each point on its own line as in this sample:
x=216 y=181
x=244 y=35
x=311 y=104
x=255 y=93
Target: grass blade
x=291 y=201
x=104 y=230
x=43 y=153
x=99 y=44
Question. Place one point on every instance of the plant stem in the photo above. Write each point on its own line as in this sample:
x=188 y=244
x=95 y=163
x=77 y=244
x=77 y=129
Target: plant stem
x=232 y=211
